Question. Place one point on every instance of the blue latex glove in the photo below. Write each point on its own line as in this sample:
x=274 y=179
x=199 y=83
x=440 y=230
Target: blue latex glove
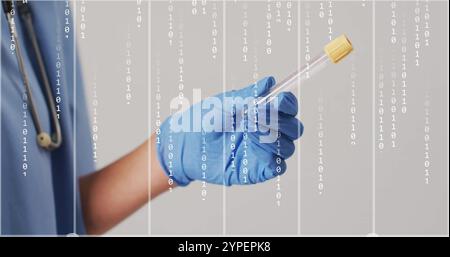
x=230 y=158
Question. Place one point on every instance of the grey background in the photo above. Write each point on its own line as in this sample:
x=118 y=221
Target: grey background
x=404 y=204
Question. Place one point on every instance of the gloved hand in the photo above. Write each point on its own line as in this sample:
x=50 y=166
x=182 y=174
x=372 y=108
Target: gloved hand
x=230 y=158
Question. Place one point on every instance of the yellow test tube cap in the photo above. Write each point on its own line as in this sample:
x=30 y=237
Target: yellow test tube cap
x=338 y=48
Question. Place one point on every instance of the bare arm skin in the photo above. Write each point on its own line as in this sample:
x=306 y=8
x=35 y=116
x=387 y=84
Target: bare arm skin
x=111 y=194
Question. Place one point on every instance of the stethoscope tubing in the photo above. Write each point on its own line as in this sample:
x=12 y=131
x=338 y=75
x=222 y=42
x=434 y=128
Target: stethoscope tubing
x=44 y=139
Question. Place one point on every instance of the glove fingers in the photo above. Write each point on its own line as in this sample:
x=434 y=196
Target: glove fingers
x=287 y=125
x=277 y=166
x=261 y=88
x=283 y=146
x=291 y=127
x=287 y=103
x=268 y=165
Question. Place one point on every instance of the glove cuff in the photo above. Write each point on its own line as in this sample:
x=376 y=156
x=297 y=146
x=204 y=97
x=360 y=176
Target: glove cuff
x=169 y=157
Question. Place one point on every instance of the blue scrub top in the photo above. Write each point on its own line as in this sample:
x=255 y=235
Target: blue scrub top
x=46 y=200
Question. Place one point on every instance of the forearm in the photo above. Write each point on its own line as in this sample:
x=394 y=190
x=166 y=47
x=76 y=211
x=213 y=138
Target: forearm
x=111 y=194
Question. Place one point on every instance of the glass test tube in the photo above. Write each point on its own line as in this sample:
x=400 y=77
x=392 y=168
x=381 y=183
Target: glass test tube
x=333 y=53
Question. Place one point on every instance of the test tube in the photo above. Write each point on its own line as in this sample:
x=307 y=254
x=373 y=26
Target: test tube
x=333 y=52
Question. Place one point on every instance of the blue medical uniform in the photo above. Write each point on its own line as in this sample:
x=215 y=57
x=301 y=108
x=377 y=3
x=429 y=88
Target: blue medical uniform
x=46 y=200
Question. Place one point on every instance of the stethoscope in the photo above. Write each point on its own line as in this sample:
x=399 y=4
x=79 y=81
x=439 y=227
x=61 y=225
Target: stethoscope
x=43 y=138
